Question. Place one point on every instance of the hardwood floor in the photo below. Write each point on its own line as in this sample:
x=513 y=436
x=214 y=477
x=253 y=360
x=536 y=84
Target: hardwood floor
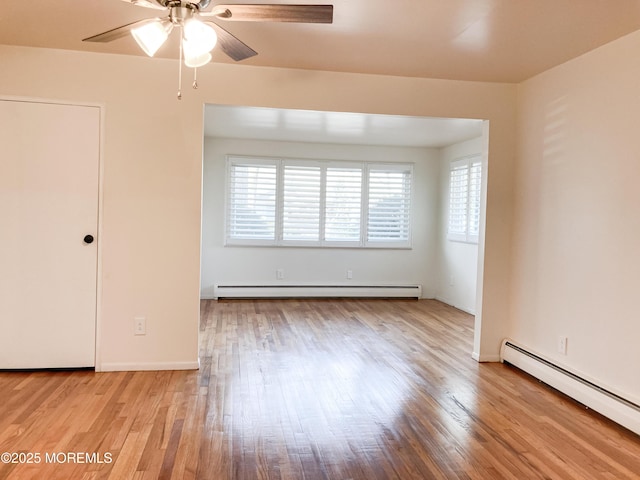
x=311 y=389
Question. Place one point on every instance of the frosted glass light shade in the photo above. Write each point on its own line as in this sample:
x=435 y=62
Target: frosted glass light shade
x=197 y=61
x=194 y=55
x=199 y=38
x=151 y=36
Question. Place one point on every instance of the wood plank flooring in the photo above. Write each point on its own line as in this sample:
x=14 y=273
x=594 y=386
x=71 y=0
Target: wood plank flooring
x=312 y=389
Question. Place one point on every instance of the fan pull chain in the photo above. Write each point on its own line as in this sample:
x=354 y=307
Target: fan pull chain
x=195 y=78
x=180 y=74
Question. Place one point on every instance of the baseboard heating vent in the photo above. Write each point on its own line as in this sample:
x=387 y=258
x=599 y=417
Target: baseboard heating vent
x=297 y=291
x=610 y=404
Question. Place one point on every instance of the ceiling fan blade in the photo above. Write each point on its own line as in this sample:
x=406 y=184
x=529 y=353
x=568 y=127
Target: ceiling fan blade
x=118 y=32
x=273 y=13
x=230 y=45
x=146 y=3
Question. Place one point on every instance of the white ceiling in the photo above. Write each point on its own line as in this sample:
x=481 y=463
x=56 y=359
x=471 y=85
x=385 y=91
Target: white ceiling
x=484 y=40
x=336 y=127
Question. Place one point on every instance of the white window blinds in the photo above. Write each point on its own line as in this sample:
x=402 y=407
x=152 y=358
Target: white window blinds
x=343 y=208
x=317 y=203
x=389 y=208
x=301 y=204
x=475 y=185
x=465 y=183
x=252 y=201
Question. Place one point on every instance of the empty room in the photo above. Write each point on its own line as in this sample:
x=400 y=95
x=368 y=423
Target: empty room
x=319 y=241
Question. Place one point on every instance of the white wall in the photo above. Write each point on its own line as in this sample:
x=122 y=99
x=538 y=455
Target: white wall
x=150 y=218
x=152 y=160
x=576 y=256
x=320 y=266
x=457 y=261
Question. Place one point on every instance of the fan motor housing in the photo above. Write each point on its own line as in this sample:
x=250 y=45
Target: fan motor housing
x=202 y=4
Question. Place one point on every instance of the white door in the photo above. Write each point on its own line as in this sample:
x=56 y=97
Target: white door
x=49 y=164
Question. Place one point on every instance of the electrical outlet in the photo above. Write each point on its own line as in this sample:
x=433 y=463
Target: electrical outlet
x=140 y=326
x=349 y=274
x=562 y=345
x=280 y=274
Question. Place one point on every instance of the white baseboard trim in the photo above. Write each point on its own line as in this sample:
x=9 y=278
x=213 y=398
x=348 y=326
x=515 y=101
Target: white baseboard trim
x=617 y=406
x=470 y=311
x=485 y=358
x=313 y=291
x=144 y=366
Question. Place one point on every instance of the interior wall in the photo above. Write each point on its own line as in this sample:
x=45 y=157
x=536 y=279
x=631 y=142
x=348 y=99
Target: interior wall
x=320 y=266
x=457 y=261
x=150 y=215
x=152 y=170
x=576 y=257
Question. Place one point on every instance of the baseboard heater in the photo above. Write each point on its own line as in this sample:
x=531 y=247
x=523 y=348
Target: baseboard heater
x=297 y=291
x=610 y=404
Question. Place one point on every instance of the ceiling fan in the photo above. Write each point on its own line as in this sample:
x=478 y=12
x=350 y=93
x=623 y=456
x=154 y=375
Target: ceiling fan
x=199 y=34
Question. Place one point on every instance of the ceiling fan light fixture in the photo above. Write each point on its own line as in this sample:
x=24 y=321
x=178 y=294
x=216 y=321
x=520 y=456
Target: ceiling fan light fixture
x=151 y=36
x=194 y=52
x=198 y=37
x=197 y=61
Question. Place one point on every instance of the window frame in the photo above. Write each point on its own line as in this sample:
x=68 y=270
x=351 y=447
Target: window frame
x=281 y=163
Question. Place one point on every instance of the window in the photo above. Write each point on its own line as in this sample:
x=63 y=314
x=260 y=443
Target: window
x=343 y=204
x=301 y=204
x=317 y=203
x=252 y=201
x=465 y=183
x=389 y=204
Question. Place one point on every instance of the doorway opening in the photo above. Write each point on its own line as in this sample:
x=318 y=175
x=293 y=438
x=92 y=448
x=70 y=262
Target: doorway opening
x=445 y=267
